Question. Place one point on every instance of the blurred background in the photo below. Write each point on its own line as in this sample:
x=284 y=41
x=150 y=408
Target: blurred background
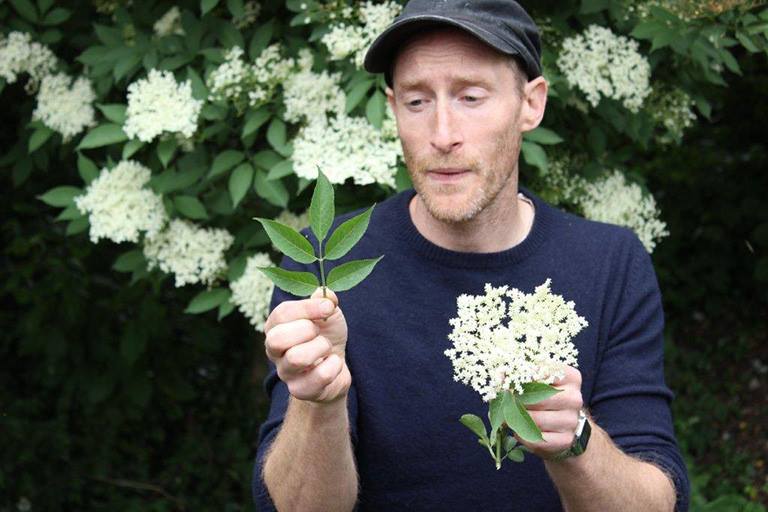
x=122 y=388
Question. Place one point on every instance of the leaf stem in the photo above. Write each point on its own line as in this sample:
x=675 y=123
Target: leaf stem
x=321 y=259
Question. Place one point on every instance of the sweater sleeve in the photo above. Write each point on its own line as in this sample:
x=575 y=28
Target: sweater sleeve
x=630 y=398
x=279 y=396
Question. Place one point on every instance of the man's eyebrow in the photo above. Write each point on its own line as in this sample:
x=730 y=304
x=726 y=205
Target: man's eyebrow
x=460 y=80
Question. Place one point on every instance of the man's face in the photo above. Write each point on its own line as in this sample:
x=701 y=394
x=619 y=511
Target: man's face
x=458 y=115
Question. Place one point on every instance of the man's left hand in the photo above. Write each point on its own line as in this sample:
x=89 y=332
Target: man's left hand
x=558 y=416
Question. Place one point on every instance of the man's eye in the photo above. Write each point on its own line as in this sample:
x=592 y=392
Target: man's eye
x=471 y=99
x=414 y=103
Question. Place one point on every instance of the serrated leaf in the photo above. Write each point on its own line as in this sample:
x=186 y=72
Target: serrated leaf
x=38 y=138
x=129 y=261
x=535 y=392
x=519 y=420
x=60 y=196
x=207 y=300
x=375 y=108
x=475 y=424
x=254 y=119
x=239 y=182
x=321 y=209
x=165 y=150
x=301 y=284
x=87 y=169
x=280 y=170
x=207 y=5
x=190 y=207
x=543 y=136
x=534 y=155
x=273 y=191
x=224 y=161
x=357 y=93
x=289 y=241
x=349 y=274
x=347 y=235
x=103 y=135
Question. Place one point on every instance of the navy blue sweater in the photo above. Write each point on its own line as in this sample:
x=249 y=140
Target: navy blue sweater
x=412 y=453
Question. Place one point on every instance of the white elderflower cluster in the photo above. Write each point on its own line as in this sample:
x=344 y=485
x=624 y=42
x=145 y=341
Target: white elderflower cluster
x=120 y=206
x=603 y=64
x=344 y=39
x=672 y=109
x=252 y=292
x=309 y=96
x=346 y=147
x=64 y=105
x=251 y=11
x=614 y=200
x=169 y=23
x=158 y=104
x=19 y=54
x=192 y=253
x=507 y=338
x=297 y=222
x=249 y=84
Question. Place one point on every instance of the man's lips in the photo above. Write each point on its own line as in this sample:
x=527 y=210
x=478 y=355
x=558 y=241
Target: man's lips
x=447 y=175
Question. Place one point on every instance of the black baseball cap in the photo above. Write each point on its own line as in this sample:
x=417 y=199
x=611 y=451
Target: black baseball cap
x=502 y=24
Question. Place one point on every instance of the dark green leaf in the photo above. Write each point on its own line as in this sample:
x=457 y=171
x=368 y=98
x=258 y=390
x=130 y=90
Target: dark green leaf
x=71 y=212
x=375 y=108
x=57 y=16
x=254 y=119
x=236 y=8
x=225 y=309
x=347 y=235
x=590 y=6
x=207 y=5
x=199 y=90
x=26 y=9
x=190 y=207
x=60 y=196
x=38 y=138
x=516 y=455
x=165 y=150
x=321 y=209
x=129 y=261
x=261 y=38
x=276 y=134
x=87 y=169
x=266 y=159
x=77 y=226
x=519 y=420
x=103 y=135
x=126 y=64
x=509 y=444
x=115 y=112
x=44 y=5
x=349 y=274
x=543 y=136
x=280 y=170
x=131 y=147
x=534 y=155
x=301 y=284
x=207 y=300
x=224 y=161
x=272 y=190
x=475 y=424
x=230 y=36
x=239 y=182
x=289 y=241
x=535 y=392
x=357 y=93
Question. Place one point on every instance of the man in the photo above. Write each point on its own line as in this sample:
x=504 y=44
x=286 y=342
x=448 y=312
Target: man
x=364 y=407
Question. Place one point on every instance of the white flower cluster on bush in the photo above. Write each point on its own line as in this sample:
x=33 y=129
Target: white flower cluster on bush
x=346 y=147
x=672 y=110
x=616 y=201
x=249 y=84
x=169 y=23
x=192 y=253
x=345 y=39
x=19 y=54
x=310 y=96
x=251 y=11
x=507 y=338
x=120 y=206
x=65 y=105
x=158 y=104
x=603 y=64
x=252 y=292
x=297 y=222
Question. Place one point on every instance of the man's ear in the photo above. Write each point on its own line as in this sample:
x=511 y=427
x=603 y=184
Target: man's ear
x=390 y=97
x=534 y=103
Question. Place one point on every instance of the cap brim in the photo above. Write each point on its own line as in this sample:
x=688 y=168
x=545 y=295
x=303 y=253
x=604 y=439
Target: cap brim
x=380 y=53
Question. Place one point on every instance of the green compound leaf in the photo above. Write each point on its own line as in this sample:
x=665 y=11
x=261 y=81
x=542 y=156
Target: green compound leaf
x=224 y=161
x=347 y=235
x=190 y=207
x=301 y=284
x=273 y=191
x=60 y=196
x=519 y=420
x=103 y=135
x=239 y=182
x=476 y=425
x=321 y=209
x=289 y=241
x=115 y=112
x=535 y=392
x=543 y=136
x=496 y=414
x=349 y=274
x=207 y=300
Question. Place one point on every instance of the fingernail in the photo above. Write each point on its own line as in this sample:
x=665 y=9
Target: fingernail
x=326 y=307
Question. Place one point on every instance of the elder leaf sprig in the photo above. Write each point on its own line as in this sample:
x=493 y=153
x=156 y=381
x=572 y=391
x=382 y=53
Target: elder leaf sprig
x=294 y=245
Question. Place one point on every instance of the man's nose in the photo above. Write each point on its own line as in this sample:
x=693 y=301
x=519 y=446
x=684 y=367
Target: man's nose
x=446 y=135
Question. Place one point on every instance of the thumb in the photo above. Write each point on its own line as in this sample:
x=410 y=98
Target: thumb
x=318 y=294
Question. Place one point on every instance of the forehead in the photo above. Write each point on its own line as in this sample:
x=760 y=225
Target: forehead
x=449 y=50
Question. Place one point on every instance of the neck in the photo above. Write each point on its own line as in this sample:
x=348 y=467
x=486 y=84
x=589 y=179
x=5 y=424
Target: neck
x=500 y=226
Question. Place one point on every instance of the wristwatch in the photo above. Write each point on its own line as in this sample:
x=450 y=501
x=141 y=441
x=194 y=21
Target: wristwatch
x=580 y=439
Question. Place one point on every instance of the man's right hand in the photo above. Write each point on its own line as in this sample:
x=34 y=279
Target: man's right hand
x=306 y=340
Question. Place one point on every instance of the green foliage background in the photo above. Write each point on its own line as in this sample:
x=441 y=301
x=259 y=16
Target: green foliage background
x=112 y=398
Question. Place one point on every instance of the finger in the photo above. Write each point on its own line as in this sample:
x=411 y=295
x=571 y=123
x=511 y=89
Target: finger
x=302 y=357
x=290 y=310
x=554 y=443
x=287 y=335
x=313 y=384
x=569 y=398
x=570 y=376
x=556 y=421
x=318 y=294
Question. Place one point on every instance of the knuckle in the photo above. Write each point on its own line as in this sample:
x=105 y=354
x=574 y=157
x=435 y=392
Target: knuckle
x=293 y=359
